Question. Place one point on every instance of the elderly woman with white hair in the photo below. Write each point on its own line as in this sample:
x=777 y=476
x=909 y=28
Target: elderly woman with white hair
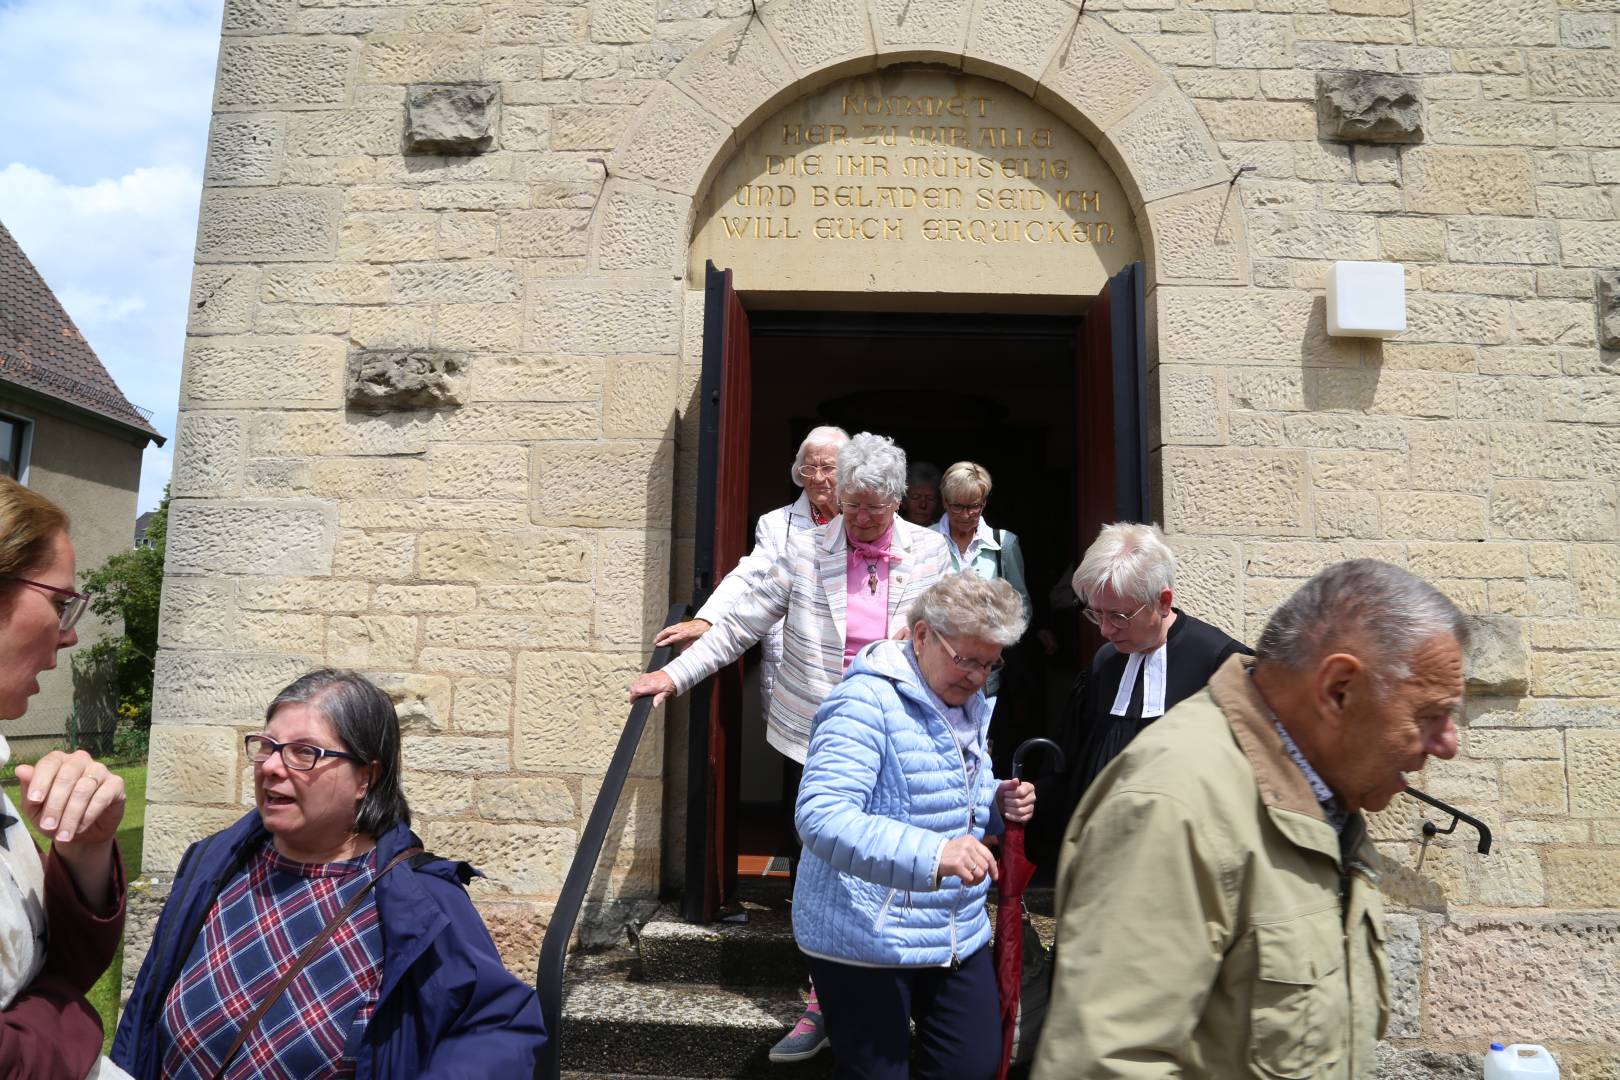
x=898 y=794
x=1154 y=656
x=815 y=469
x=834 y=589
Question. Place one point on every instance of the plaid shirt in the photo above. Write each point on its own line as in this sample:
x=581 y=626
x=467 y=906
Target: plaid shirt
x=263 y=919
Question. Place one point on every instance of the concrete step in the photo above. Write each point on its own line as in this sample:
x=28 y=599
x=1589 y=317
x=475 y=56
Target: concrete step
x=699 y=1001
x=615 y=1025
x=754 y=947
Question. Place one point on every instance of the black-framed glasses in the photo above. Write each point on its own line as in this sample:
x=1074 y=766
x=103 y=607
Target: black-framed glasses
x=301 y=756
x=69 y=609
x=970 y=509
x=968 y=664
x=1115 y=618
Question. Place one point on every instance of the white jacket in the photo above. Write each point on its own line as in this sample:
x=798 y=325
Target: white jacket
x=805 y=591
x=770 y=540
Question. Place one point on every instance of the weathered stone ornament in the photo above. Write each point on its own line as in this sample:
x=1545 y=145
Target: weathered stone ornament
x=451 y=118
x=386 y=379
x=1359 y=106
x=1608 y=301
x=1498 y=660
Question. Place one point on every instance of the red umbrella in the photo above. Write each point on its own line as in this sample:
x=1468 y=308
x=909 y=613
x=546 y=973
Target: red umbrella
x=1015 y=872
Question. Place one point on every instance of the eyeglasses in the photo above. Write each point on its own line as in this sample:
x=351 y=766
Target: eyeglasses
x=818 y=472
x=1115 y=618
x=68 y=609
x=970 y=509
x=871 y=511
x=967 y=664
x=295 y=755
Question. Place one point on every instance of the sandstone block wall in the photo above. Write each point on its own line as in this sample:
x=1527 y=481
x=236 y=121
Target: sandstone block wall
x=501 y=564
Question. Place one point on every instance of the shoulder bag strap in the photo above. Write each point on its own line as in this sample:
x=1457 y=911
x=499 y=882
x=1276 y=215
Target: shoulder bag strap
x=304 y=959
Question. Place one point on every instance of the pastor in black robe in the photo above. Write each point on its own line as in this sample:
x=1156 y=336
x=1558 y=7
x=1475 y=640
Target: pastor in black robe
x=1094 y=735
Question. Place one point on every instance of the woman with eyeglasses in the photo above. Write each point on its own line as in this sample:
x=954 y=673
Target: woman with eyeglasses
x=315 y=937
x=834 y=589
x=898 y=794
x=61 y=916
x=815 y=469
x=974 y=545
x=1154 y=655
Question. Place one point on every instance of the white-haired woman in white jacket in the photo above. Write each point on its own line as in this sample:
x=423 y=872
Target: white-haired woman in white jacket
x=815 y=469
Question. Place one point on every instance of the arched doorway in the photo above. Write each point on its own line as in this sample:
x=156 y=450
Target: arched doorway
x=938 y=258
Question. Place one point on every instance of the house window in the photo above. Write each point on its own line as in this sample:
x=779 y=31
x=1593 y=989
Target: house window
x=13 y=443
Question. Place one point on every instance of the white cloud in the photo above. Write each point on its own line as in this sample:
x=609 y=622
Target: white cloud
x=118 y=255
x=101 y=176
x=125 y=81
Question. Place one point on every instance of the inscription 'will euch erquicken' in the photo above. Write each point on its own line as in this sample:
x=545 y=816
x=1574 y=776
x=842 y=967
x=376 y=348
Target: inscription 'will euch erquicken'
x=859 y=169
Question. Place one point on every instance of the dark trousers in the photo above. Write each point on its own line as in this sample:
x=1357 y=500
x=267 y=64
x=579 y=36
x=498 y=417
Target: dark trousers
x=957 y=1015
x=792 y=776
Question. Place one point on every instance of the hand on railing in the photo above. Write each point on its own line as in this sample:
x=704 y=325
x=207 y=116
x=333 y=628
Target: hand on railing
x=655 y=684
x=682 y=634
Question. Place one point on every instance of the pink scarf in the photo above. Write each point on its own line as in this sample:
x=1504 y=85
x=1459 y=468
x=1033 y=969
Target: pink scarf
x=877 y=550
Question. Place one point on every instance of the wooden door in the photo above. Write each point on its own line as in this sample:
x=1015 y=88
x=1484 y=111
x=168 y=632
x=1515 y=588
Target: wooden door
x=714 y=750
x=1111 y=411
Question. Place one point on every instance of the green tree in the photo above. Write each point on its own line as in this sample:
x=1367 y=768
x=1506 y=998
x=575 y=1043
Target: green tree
x=126 y=589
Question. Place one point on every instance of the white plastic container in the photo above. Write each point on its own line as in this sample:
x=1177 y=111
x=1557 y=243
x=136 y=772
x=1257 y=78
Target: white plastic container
x=1520 y=1061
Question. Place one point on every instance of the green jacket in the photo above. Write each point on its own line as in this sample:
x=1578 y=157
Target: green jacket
x=1208 y=926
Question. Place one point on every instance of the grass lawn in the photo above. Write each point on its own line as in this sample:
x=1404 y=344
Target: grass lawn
x=104 y=995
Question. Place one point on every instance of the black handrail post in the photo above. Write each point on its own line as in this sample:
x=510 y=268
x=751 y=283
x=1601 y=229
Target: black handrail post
x=554 y=946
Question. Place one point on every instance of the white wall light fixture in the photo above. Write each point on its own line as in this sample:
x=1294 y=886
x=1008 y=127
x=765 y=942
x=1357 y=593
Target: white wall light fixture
x=1366 y=299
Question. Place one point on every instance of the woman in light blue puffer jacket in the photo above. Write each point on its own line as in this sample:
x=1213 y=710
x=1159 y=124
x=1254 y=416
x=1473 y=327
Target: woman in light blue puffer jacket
x=897 y=796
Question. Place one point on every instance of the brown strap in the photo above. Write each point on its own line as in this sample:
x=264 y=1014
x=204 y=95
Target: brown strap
x=303 y=960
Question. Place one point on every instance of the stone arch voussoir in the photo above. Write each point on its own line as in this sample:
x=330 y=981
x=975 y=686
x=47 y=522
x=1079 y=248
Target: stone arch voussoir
x=1082 y=70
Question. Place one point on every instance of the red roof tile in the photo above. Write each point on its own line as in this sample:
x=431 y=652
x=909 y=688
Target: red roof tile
x=41 y=349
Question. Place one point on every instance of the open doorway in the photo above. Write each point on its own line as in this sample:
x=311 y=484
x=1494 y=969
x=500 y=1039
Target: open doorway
x=998 y=390
x=1054 y=406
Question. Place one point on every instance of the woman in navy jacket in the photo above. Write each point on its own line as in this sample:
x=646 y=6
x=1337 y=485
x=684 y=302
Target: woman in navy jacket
x=410 y=985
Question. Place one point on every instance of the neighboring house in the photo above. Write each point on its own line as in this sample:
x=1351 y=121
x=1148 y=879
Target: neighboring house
x=67 y=431
x=141 y=525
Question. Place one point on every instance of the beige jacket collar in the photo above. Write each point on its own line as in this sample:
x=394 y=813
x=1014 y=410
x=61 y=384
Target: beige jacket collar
x=1283 y=788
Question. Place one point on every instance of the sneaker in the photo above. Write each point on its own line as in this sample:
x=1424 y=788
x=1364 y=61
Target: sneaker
x=807 y=1039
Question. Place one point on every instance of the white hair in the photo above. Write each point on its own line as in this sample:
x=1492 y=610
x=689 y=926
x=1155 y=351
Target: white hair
x=1131 y=559
x=827 y=436
x=966 y=605
x=872 y=463
x=1360 y=600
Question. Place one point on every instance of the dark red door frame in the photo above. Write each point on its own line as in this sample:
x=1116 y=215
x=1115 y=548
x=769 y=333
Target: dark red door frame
x=714 y=751
x=1111 y=469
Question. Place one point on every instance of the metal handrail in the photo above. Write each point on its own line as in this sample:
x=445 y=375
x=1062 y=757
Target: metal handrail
x=548 y=980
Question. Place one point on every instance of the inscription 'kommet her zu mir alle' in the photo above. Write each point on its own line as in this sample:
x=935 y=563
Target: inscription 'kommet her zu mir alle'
x=971 y=179
x=917 y=179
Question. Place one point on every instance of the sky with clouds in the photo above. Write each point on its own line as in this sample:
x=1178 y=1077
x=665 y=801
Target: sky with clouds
x=104 y=109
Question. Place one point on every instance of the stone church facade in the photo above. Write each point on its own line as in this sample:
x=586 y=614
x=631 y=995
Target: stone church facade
x=439 y=405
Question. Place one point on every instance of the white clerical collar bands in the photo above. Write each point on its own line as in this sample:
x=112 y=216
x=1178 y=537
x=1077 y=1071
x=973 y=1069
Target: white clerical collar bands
x=1153 y=685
